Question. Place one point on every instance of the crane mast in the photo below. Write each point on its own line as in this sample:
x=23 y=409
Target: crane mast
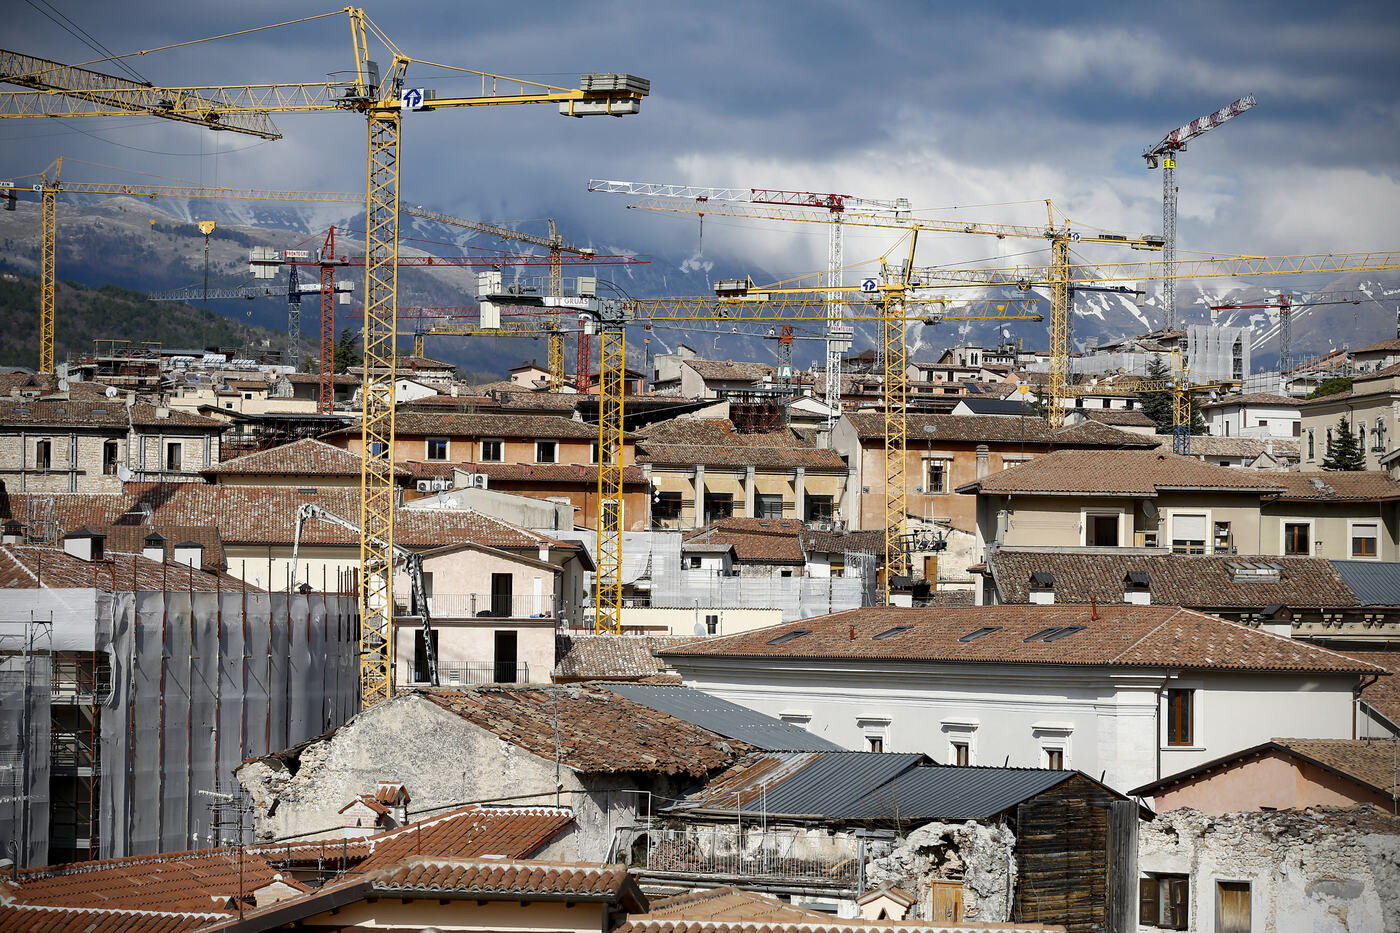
x=1165 y=153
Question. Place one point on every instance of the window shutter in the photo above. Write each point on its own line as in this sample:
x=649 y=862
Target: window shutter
x=1188 y=527
x=1147 y=901
x=1177 y=890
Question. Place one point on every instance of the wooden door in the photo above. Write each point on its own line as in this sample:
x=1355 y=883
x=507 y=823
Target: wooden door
x=947 y=902
x=1232 y=907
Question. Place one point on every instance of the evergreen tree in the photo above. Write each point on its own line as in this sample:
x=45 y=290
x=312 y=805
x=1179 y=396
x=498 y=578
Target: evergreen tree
x=1331 y=386
x=1157 y=405
x=347 y=351
x=1344 y=452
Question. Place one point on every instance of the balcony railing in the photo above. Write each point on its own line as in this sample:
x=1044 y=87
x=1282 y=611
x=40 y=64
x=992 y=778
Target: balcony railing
x=479 y=672
x=772 y=856
x=486 y=605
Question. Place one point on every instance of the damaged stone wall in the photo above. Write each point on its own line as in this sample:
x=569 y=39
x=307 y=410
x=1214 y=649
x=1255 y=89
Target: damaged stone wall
x=1320 y=870
x=980 y=856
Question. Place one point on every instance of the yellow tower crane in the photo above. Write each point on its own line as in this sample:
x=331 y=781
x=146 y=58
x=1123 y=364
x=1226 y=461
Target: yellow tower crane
x=891 y=303
x=66 y=90
x=1063 y=278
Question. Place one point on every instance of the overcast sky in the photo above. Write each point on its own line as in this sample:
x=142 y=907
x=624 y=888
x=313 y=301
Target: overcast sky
x=989 y=108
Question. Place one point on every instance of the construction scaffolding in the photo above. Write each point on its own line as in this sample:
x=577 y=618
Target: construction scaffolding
x=120 y=711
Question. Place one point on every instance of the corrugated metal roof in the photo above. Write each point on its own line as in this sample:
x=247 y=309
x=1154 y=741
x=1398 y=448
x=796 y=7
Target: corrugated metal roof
x=951 y=793
x=724 y=718
x=869 y=786
x=1375 y=583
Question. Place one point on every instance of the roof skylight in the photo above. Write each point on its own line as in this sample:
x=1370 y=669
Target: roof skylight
x=789 y=636
x=984 y=630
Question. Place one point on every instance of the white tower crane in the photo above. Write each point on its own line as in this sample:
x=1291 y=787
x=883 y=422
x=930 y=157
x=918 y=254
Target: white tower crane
x=1165 y=153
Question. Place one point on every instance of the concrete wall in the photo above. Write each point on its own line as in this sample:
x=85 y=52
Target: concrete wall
x=1332 y=526
x=1277 y=781
x=469 y=646
x=442 y=759
x=1062 y=521
x=1320 y=871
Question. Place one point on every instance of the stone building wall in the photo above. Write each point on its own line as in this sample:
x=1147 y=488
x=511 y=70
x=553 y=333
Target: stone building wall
x=1320 y=870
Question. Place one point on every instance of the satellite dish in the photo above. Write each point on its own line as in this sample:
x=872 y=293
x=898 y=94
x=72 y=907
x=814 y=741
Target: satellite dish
x=111 y=392
x=1149 y=508
x=124 y=473
x=63 y=385
x=700 y=629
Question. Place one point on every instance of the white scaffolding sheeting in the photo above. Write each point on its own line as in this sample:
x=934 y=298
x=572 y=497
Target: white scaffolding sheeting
x=25 y=717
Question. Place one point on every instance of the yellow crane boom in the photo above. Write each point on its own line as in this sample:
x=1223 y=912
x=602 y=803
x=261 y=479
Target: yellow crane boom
x=69 y=91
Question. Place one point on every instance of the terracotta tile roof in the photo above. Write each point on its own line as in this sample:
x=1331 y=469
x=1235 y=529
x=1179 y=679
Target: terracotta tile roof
x=1207 y=445
x=202 y=881
x=1119 y=473
x=1254 y=398
x=551 y=473
x=340 y=379
x=1199 y=582
x=549 y=427
x=615 y=657
x=1370 y=763
x=26 y=918
x=599 y=731
x=714 y=442
x=1363 y=485
x=1122 y=636
x=870 y=426
x=1380 y=346
x=96 y=411
x=71 y=510
x=730 y=370
x=727 y=904
x=267 y=515
x=755 y=540
x=308 y=457
x=783 y=923
x=513 y=879
x=513 y=832
x=1119 y=417
x=131 y=539
x=870 y=541
x=25 y=567
x=1383 y=696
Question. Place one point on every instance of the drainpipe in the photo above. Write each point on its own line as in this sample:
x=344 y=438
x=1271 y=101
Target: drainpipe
x=1356 y=702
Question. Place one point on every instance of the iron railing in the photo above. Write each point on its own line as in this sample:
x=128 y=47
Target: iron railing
x=770 y=855
x=487 y=605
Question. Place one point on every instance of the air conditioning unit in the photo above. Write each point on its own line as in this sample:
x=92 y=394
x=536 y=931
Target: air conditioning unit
x=479 y=480
x=424 y=485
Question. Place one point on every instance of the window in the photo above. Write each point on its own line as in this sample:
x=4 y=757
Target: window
x=768 y=505
x=820 y=508
x=420 y=656
x=593 y=452
x=1009 y=461
x=247 y=396
x=437 y=448
x=1163 y=900
x=692 y=561
x=1055 y=759
x=1180 y=712
x=875 y=743
x=546 y=451
x=1297 y=539
x=492 y=451
x=960 y=754
x=1189 y=533
x=984 y=630
x=43 y=455
x=786 y=637
x=936 y=476
x=1312 y=445
x=1223 y=540
x=1364 y=539
x=666 y=507
x=172 y=455
x=378 y=450
x=718 y=505
x=1101 y=529
x=109 y=458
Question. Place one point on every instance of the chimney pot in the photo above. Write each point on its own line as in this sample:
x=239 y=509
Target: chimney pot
x=84 y=544
x=13 y=533
x=190 y=553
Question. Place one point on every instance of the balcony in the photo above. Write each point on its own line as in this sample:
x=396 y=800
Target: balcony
x=478 y=672
x=773 y=857
x=484 y=606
